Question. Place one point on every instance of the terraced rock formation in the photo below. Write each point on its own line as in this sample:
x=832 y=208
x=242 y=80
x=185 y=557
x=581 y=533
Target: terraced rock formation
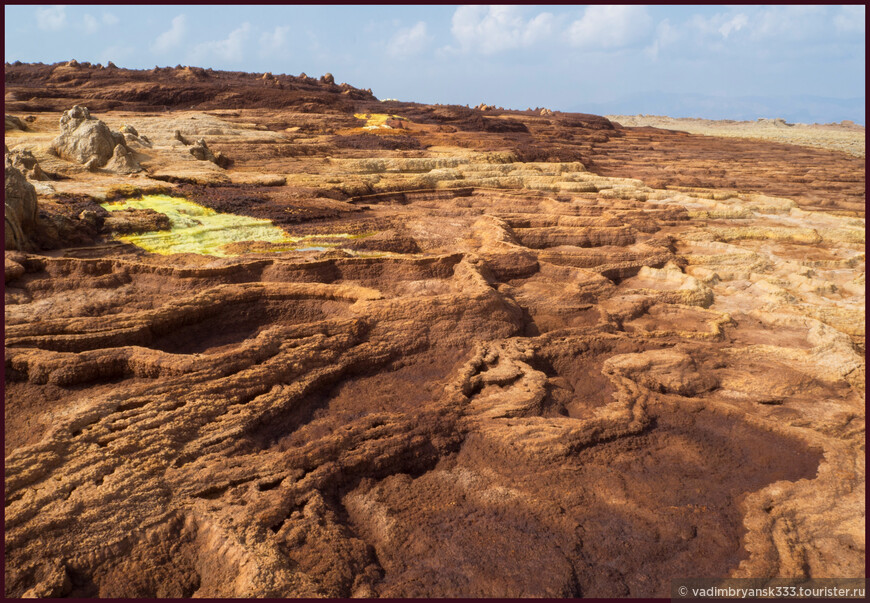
x=498 y=354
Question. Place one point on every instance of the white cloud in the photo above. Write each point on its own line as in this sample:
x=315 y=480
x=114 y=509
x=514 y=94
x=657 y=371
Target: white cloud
x=666 y=35
x=409 y=40
x=171 y=37
x=51 y=18
x=91 y=24
x=760 y=34
x=789 y=22
x=735 y=24
x=229 y=49
x=273 y=42
x=762 y=24
x=606 y=26
x=492 y=29
x=538 y=28
x=850 y=19
x=719 y=26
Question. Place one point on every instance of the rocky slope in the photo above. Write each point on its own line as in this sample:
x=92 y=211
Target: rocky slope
x=508 y=354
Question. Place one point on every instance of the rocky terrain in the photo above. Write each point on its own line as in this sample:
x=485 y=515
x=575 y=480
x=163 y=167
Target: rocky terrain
x=846 y=136
x=270 y=336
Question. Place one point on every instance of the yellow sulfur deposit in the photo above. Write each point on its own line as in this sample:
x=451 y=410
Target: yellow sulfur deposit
x=374 y=120
x=198 y=229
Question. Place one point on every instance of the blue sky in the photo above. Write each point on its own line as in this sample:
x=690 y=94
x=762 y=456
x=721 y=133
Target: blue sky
x=799 y=62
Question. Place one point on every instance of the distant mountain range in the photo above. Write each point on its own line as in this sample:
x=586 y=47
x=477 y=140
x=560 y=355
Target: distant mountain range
x=795 y=109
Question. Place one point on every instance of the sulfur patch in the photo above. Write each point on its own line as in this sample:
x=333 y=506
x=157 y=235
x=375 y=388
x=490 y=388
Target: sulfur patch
x=374 y=120
x=198 y=229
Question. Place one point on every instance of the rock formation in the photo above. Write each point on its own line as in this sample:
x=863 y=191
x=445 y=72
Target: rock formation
x=89 y=141
x=180 y=138
x=27 y=164
x=84 y=138
x=123 y=161
x=201 y=151
x=135 y=221
x=21 y=208
x=15 y=123
x=133 y=139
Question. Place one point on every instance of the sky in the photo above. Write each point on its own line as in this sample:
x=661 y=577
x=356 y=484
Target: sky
x=802 y=63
